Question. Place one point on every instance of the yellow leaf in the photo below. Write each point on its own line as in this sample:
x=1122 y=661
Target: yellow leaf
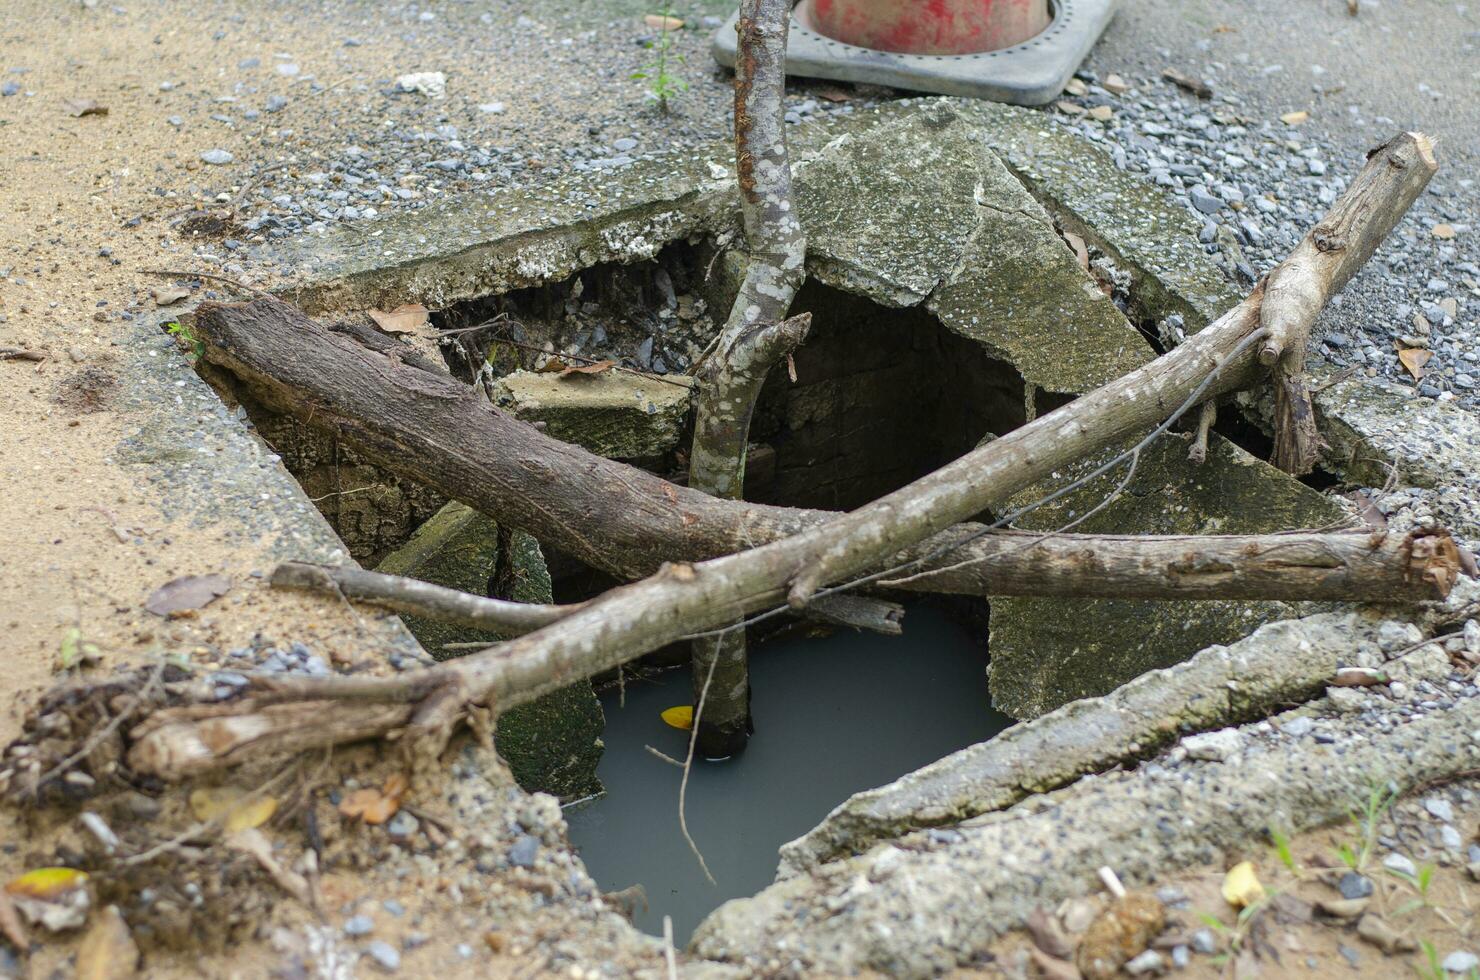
x=1241 y=886
x=681 y=717
x=659 y=22
x=1295 y=118
x=229 y=805
x=251 y=815
x=1443 y=231
x=108 y=951
x=47 y=884
x=1414 y=358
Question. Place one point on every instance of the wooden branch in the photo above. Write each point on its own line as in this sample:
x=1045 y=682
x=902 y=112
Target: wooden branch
x=1320 y=266
x=417 y=598
x=754 y=337
x=1395 y=174
x=408 y=595
x=682 y=598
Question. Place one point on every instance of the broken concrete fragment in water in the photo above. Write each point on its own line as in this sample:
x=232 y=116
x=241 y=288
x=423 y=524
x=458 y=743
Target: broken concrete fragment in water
x=619 y=414
x=1279 y=663
x=1046 y=652
x=552 y=744
x=934 y=899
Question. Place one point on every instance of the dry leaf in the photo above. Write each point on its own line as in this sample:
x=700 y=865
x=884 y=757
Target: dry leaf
x=1070 y=108
x=11 y=926
x=84 y=107
x=658 y=22
x=166 y=295
x=594 y=368
x=1080 y=251
x=833 y=93
x=189 y=592
x=232 y=807
x=1191 y=83
x=406 y=318
x=376 y=806
x=1442 y=231
x=1076 y=86
x=1414 y=358
x=1358 y=677
x=1114 y=84
x=1295 y=118
x=1241 y=887
x=680 y=717
x=108 y=951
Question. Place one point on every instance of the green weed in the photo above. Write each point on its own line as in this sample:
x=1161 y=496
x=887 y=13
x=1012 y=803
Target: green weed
x=664 y=83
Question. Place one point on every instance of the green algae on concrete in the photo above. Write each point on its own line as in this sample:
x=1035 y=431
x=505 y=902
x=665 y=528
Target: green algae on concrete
x=1127 y=217
x=552 y=745
x=475 y=245
x=618 y=414
x=889 y=202
x=909 y=206
x=1046 y=652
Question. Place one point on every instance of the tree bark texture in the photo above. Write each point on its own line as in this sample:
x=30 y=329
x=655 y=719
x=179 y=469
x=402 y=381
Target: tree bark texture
x=683 y=598
x=754 y=337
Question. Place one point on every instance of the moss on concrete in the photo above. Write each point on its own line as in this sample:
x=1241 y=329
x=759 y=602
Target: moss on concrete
x=1046 y=652
x=552 y=745
x=617 y=414
x=1127 y=217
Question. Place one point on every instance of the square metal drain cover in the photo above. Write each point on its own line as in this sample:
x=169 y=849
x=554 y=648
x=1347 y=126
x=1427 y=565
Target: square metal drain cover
x=1031 y=73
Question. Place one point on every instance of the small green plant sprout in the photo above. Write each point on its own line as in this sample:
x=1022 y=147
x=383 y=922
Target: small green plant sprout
x=664 y=83
x=1367 y=814
x=1237 y=933
x=1420 y=883
x=76 y=650
x=186 y=336
x=1431 y=968
x=1281 y=843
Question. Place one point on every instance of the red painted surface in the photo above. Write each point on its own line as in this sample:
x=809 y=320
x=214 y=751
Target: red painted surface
x=927 y=26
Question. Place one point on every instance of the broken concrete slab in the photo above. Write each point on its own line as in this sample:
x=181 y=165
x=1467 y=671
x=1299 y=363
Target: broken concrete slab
x=1046 y=652
x=899 y=200
x=1377 y=431
x=1281 y=662
x=913 y=208
x=619 y=414
x=932 y=900
x=553 y=744
x=476 y=245
x=1126 y=217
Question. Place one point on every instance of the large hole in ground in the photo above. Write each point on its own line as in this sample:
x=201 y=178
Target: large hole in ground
x=883 y=396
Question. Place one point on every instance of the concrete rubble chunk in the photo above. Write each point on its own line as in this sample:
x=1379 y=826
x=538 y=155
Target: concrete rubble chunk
x=1046 y=652
x=552 y=744
x=1280 y=662
x=615 y=413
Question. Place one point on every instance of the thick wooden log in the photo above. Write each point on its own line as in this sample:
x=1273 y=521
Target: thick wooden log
x=626 y=521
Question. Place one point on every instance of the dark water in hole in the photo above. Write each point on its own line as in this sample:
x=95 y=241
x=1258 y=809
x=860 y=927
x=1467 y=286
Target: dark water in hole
x=833 y=716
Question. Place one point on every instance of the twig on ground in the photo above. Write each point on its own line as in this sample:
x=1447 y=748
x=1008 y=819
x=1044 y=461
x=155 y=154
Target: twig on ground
x=21 y=354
